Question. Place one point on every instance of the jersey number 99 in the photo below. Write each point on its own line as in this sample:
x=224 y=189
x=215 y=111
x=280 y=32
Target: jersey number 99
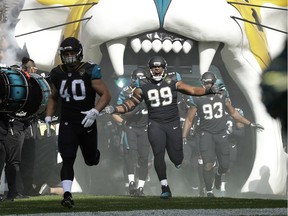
x=162 y=97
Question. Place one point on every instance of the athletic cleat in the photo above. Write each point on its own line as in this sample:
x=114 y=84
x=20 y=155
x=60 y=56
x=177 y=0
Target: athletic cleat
x=67 y=201
x=132 y=190
x=210 y=194
x=140 y=192
x=201 y=192
x=166 y=193
x=12 y=197
x=217 y=182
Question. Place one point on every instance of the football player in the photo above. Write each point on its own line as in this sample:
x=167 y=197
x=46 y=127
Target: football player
x=213 y=138
x=136 y=152
x=159 y=92
x=76 y=84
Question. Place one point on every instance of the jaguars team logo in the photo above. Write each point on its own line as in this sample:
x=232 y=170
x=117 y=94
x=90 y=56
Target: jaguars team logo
x=82 y=71
x=168 y=80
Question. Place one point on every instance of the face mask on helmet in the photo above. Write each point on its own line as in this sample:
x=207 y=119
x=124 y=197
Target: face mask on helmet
x=208 y=78
x=157 y=65
x=71 y=51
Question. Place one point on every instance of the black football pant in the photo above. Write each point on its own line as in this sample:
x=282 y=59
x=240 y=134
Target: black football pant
x=212 y=147
x=13 y=146
x=69 y=139
x=164 y=137
x=138 y=152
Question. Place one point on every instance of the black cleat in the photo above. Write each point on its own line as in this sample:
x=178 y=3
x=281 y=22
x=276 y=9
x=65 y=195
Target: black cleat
x=132 y=190
x=140 y=192
x=12 y=197
x=210 y=194
x=166 y=193
x=217 y=182
x=67 y=201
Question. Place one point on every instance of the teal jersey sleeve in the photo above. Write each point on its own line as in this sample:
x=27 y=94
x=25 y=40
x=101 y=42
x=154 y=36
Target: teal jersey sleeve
x=137 y=83
x=178 y=77
x=190 y=101
x=96 y=72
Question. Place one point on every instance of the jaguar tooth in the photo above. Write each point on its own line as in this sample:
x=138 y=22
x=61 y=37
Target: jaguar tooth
x=187 y=46
x=177 y=46
x=156 y=45
x=207 y=52
x=136 y=45
x=146 y=46
x=167 y=46
x=116 y=50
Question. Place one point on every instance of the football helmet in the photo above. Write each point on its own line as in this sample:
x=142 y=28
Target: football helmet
x=208 y=77
x=71 y=44
x=157 y=61
x=139 y=72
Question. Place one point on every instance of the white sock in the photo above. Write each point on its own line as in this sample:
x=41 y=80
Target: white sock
x=131 y=177
x=141 y=183
x=67 y=185
x=164 y=182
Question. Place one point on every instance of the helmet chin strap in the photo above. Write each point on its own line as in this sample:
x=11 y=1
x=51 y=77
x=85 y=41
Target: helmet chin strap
x=157 y=78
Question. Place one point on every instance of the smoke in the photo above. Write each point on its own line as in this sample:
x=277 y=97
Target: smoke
x=10 y=53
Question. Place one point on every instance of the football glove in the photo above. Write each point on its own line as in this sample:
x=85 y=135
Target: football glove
x=212 y=90
x=110 y=109
x=90 y=117
x=257 y=126
x=48 y=121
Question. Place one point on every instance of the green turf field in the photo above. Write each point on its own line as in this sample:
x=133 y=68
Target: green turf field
x=89 y=203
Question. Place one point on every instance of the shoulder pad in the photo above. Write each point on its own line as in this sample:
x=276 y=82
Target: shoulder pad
x=87 y=65
x=171 y=73
x=142 y=81
x=171 y=76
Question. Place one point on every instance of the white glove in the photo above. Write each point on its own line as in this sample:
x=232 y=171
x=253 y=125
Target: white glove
x=258 y=127
x=110 y=109
x=90 y=117
x=48 y=121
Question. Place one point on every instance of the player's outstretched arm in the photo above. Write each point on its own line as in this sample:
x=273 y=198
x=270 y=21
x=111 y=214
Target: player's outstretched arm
x=127 y=105
x=236 y=115
x=195 y=91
